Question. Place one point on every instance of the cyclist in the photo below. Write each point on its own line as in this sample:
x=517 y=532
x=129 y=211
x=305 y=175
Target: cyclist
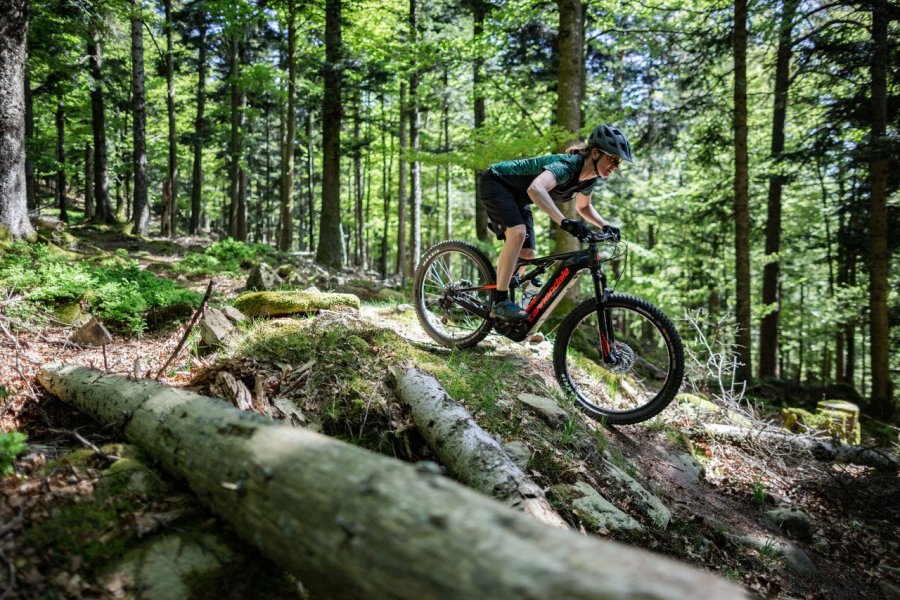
x=508 y=189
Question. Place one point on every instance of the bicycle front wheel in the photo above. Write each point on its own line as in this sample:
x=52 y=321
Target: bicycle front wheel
x=451 y=295
x=647 y=363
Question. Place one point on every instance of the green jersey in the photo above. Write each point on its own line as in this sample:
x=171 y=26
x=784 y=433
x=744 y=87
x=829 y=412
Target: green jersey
x=517 y=176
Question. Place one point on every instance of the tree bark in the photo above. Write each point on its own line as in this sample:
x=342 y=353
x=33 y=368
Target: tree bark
x=568 y=97
x=140 y=206
x=330 y=251
x=286 y=212
x=448 y=212
x=470 y=453
x=14 y=221
x=241 y=228
x=768 y=329
x=359 y=242
x=29 y=137
x=310 y=179
x=882 y=400
x=234 y=140
x=168 y=228
x=61 y=159
x=351 y=523
x=479 y=10
x=98 y=125
x=741 y=195
x=401 y=188
x=415 y=221
x=199 y=127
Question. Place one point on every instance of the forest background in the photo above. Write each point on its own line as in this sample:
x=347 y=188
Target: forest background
x=765 y=135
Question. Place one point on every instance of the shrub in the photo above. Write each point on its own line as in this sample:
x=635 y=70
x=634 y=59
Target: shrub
x=12 y=444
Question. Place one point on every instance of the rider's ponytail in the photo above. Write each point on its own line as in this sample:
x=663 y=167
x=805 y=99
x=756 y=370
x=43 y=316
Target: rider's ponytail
x=579 y=148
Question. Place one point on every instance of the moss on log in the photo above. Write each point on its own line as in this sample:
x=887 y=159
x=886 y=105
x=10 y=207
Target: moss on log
x=278 y=304
x=351 y=523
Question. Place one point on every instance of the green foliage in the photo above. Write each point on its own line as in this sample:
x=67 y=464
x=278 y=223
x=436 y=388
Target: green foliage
x=115 y=289
x=228 y=256
x=12 y=444
x=759 y=493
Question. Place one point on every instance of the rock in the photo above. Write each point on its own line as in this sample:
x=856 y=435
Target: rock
x=594 y=509
x=70 y=313
x=795 y=558
x=275 y=304
x=233 y=314
x=688 y=465
x=519 y=452
x=312 y=290
x=263 y=278
x=404 y=308
x=386 y=294
x=215 y=328
x=285 y=270
x=545 y=408
x=91 y=334
x=293 y=280
x=649 y=504
x=792 y=521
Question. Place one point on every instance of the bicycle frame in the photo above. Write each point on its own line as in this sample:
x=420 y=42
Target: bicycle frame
x=569 y=267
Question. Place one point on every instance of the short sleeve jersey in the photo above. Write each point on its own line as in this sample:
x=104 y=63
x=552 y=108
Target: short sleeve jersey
x=517 y=175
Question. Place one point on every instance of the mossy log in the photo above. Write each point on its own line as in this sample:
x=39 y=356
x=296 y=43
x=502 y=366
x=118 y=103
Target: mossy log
x=467 y=450
x=351 y=523
x=820 y=449
x=278 y=304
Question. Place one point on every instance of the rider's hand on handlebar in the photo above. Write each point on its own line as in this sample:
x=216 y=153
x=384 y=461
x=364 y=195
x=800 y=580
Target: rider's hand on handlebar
x=612 y=231
x=575 y=228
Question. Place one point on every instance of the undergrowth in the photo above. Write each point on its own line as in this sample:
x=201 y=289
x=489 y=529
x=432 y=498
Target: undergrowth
x=228 y=256
x=111 y=287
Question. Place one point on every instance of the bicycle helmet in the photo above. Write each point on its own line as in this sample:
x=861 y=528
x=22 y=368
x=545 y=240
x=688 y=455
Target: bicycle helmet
x=611 y=140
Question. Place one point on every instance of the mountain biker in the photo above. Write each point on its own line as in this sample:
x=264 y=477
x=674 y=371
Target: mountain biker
x=507 y=190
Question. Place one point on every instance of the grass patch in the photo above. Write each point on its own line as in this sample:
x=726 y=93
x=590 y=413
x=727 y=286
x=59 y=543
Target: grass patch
x=228 y=256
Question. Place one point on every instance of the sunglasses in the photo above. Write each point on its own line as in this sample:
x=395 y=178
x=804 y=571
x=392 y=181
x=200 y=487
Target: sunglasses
x=614 y=160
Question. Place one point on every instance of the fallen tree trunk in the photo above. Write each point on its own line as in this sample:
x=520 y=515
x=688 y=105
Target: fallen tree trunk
x=351 y=523
x=820 y=449
x=468 y=451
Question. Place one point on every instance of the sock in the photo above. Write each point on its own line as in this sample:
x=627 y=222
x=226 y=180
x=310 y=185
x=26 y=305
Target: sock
x=501 y=296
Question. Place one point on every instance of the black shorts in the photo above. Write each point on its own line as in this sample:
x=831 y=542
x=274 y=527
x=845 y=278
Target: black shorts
x=503 y=210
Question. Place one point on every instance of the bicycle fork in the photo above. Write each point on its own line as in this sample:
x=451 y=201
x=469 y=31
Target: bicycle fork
x=605 y=333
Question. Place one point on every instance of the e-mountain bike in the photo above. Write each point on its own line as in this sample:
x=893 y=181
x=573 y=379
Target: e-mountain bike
x=619 y=356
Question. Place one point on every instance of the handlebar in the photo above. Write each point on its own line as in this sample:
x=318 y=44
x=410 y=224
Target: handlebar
x=595 y=237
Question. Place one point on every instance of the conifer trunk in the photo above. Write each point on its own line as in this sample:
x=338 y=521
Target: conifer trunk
x=768 y=329
x=168 y=228
x=61 y=159
x=415 y=221
x=401 y=188
x=140 y=206
x=330 y=251
x=286 y=212
x=103 y=211
x=479 y=8
x=199 y=126
x=741 y=194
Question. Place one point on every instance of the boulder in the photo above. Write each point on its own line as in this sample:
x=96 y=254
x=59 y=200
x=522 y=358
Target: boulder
x=545 y=408
x=233 y=314
x=796 y=559
x=93 y=333
x=519 y=452
x=386 y=294
x=284 y=303
x=263 y=277
x=594 y=509
x=285 y=270
x=215 y=328
x=845 y=415
x=792 y=521
x=649 y=504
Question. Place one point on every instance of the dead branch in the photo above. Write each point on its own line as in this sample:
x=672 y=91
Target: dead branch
x=190 y=327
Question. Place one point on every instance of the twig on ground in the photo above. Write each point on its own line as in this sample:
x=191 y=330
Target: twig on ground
x=88 y=443
x=190 y=327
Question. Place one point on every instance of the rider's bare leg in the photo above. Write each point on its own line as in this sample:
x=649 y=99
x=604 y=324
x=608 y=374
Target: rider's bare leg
x=527 y=254
x=512 y=248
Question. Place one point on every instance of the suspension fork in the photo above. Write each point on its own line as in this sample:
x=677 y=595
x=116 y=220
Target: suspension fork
x=604 y=320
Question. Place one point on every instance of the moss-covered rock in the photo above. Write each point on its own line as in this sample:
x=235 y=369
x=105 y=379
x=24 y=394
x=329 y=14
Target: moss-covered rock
x=276 y=304
x=592 y=508
x=841 y=424
x=844 y=413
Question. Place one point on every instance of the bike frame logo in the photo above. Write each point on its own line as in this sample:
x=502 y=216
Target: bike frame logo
x=550 y=293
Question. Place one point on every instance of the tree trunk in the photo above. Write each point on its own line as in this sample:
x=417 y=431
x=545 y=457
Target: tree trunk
x=199 y=127
x=61 y=159
x=370 y=526
x=415 y=221
x=104 y=211
x=330 y=251
x=140 y=206
x=359 y=250
x=479 y=8
x=741 y=195
x=568 y=97
x=169 y=228
x=882 y=400
x=29 y=137
x=286 y=212
x=14 y=221
x=470 y=453
x=88 y=182
x=768 y=329
x=310 y=179
x=448 y=212
x=241 y=227
x=234 y=140
x=401 y=188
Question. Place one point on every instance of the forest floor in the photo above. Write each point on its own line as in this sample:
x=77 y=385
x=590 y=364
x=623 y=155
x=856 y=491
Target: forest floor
x=844 y=544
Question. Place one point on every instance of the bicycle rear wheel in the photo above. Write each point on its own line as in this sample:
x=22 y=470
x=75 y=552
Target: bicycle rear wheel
x=648 y=367
x=445 y=296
